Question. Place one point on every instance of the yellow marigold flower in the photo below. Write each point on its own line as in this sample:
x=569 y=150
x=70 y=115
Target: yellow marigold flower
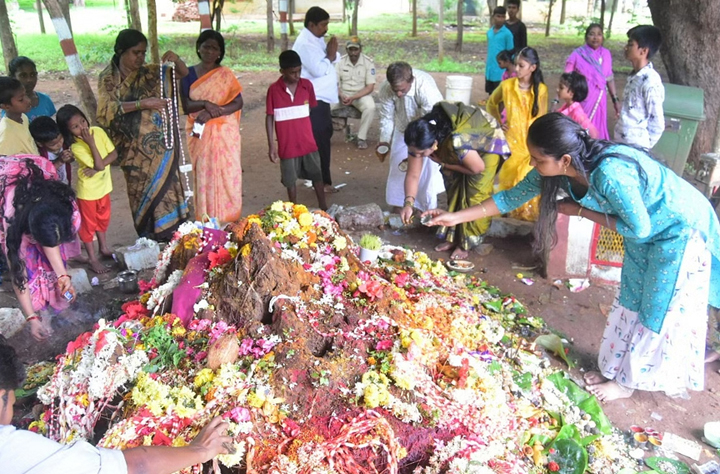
x=256 y=400
x=179 y=331
x=305 y=219
x=204 y=376
x=245 y=250
x=179 y=442
x=340 y=243
x=82 y=399
x=277 y=206
x=299 y=209
x=402 y=453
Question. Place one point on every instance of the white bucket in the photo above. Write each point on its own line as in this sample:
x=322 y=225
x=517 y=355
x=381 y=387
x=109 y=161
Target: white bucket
x=458 y=89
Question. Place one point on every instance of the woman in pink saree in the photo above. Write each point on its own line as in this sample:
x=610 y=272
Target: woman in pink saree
x=213 y=101
x=594 y=61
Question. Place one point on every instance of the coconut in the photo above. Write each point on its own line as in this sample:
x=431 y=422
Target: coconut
x=223 y=351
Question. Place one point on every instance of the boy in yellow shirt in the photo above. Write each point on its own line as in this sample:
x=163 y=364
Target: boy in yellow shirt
x=15 y=138
x=94 y=152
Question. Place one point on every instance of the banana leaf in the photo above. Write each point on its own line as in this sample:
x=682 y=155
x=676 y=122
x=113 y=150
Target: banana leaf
x=570 y=456
x=554 y=344
x=584 y=400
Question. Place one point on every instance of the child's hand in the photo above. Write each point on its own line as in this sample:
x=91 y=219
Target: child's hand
x=66 y=156
x=89 y=172
x=273 y=154
x=87 y=136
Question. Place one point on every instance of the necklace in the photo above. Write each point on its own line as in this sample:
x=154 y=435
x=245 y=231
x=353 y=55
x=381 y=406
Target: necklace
x=170 y=116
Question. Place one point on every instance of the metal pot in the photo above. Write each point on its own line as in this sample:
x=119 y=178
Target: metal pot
x=127 y=281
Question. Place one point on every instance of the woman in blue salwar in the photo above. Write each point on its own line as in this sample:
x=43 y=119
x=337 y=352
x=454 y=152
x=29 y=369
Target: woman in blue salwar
x=655 y=334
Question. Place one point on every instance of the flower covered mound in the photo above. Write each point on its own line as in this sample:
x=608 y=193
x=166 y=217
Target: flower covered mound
x=323 y=364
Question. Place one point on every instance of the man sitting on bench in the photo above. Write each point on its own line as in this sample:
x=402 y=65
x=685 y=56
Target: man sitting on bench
x=356 y=82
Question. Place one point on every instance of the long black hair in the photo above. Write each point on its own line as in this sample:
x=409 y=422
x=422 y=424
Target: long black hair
x=208 y=35
x=431 y=127
x=43 y=209
x=125 y=40
x=64 y=115
x=557 y=135
x=531 y=56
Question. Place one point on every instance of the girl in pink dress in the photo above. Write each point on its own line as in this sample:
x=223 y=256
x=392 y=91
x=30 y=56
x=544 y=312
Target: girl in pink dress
x=594 y=61
x=39 y=214
x=571 y=91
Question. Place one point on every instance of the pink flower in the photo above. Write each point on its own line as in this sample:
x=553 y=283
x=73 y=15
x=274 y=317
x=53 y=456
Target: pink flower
x=200 y=356
x=238 y=414
x=385 y=345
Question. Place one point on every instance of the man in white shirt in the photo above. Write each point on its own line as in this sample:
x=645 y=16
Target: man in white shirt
x=318 y=66
x=25 y=452
x=407 y=95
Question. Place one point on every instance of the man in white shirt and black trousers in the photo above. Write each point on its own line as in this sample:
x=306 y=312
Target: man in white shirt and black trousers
x=318 y=66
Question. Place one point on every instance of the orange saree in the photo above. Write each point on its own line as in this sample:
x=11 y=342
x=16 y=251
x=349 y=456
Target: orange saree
x=216 y=155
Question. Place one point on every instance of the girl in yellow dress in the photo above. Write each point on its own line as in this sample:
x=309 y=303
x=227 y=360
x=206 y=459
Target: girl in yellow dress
x=524 y=99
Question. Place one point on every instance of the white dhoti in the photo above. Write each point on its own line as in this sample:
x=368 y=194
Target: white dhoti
x=429 y=186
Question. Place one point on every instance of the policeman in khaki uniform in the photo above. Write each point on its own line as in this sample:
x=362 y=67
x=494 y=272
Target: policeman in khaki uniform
x=356 y=82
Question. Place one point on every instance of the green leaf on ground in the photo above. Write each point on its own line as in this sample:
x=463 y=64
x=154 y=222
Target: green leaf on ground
x=554 y=344
x=571 y=457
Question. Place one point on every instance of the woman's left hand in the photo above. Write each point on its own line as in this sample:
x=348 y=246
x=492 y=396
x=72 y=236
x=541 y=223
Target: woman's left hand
x=568 y=208
x=38 y=331
x=170 y=56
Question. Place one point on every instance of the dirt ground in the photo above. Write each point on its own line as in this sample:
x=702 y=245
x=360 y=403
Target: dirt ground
x=578 y=315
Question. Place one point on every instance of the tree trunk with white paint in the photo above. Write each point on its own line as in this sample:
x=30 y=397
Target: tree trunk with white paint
x=152 y=32
x=204 y=10
x=6 y=36
x=73 y=60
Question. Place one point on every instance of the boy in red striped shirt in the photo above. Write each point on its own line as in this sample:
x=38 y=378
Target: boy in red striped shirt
x=288 y=114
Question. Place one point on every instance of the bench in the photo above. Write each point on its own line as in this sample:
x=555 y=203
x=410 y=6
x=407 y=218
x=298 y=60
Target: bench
x=341 y=115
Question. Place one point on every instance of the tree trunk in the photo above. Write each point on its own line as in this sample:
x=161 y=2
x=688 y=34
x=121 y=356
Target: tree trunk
x=217 y=12
x=152 y=32
x=414 y=20
x=270 y=27
x=590 y=8
x=689 y=49
x=67 y=44
x=38 y=7
x=354 y=19
x=441 y=31
x=65 y=9
x=344 y=9
x=6 y=36
x=460 y=11
x=283 y=10
x=549 y=17
x=491 y=4
x=291 y=9
x=562 y=12
x=602 y=13
x=134 y=20
x=612 y=17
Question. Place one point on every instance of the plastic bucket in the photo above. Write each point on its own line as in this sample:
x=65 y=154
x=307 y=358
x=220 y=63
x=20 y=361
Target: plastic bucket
x=458 y=89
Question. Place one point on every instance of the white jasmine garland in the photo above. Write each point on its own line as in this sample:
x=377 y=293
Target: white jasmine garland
x=159 y=294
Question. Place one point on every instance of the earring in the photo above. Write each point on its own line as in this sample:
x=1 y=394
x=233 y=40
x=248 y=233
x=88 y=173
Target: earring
x=565 y=169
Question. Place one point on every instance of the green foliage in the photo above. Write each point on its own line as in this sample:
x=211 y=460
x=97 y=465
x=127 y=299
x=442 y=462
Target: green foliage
x=554 y=344
x=572 y=458
x=585 y=401
x=169 y=353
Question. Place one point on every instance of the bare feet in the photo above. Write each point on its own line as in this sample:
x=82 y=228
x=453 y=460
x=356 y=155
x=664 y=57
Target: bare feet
x=593 y=378
x=80 y=259
x=106 y=253
x=609 y=391
x=330 y=189
x=459 y=254
x=98 y=267
x=711 y=356
x=444 y=247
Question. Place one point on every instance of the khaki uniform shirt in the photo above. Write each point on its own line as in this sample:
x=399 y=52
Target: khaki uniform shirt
x=353 y=77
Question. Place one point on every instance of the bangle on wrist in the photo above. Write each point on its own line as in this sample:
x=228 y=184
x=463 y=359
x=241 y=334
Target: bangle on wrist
x=137 y=104
x=580 y=211
x=32 y=317
x=615 y=100
x=64 y=276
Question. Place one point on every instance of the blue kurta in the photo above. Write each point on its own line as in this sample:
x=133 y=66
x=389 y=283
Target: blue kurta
x=497 y=41
x=656 y=219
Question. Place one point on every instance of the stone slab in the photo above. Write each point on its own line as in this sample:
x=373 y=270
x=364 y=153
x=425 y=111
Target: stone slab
x=139 y=256
x=11 y=321
x=507 y=226
x=365 y=215
x=80 y=280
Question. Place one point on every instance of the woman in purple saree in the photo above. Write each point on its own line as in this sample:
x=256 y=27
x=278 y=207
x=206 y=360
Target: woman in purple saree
x=594 y=62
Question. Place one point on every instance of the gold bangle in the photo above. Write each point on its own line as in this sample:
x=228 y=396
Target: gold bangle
x=482 y=206
x=137 y=104
x=580 y=211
